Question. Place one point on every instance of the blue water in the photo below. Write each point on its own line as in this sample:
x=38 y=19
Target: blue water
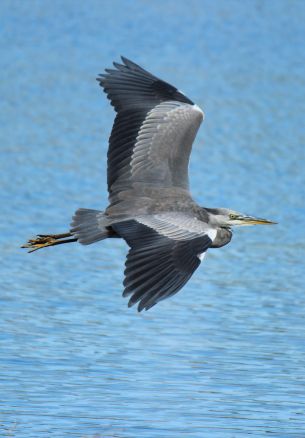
x=226 y=356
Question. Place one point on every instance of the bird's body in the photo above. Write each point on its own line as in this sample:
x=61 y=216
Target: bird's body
x=150 y=205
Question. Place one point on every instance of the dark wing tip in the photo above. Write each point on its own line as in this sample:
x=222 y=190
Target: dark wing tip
x=125 y=67
x=130 y=64
x=143 y=305
x=101 y=78
x=128 y=83
x=119 y=67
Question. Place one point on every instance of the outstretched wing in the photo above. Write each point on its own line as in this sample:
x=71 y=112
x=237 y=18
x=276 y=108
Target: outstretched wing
x=165 y=250
x=152 y=135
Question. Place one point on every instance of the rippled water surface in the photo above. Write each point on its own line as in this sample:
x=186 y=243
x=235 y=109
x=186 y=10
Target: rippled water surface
x=226 y=356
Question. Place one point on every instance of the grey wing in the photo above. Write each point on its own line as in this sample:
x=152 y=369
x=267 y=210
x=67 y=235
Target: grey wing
x=152 y=136
x=164 y=252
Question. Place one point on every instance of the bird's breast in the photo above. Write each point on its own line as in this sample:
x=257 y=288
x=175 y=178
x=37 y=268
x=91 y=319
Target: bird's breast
x=223 y=237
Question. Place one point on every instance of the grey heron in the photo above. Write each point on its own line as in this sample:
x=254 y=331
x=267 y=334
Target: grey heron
x=150 y=205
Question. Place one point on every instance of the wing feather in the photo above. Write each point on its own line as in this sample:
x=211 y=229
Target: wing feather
x=136 y=82
x=164 y=253
x=152 y=135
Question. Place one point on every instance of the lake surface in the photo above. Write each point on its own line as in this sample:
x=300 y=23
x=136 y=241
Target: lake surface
x=226 y=356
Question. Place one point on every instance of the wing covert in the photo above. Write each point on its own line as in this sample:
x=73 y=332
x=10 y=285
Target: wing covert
x=153 y=154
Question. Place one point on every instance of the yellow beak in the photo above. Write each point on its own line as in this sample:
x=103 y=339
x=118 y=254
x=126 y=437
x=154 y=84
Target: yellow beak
x=250 y=220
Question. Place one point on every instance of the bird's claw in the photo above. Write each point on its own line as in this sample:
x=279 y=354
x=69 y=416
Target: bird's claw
x=41 y=241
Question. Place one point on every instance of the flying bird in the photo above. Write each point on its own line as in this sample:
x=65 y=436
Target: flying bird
x=150 y=205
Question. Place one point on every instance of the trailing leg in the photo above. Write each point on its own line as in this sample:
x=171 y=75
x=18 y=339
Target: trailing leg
x=88 y=226
x=44 y=240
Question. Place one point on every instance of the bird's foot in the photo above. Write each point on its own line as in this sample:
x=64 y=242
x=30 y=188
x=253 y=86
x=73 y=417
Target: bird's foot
x=41 y=241
x=44 y=240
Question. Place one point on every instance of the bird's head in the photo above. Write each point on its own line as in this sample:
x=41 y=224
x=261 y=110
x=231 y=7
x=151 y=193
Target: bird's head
x=226 y=218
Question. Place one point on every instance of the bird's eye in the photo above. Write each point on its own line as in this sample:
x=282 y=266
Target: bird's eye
x=232 y=216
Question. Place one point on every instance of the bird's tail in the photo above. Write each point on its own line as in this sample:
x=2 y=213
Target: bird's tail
x=89 y=226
